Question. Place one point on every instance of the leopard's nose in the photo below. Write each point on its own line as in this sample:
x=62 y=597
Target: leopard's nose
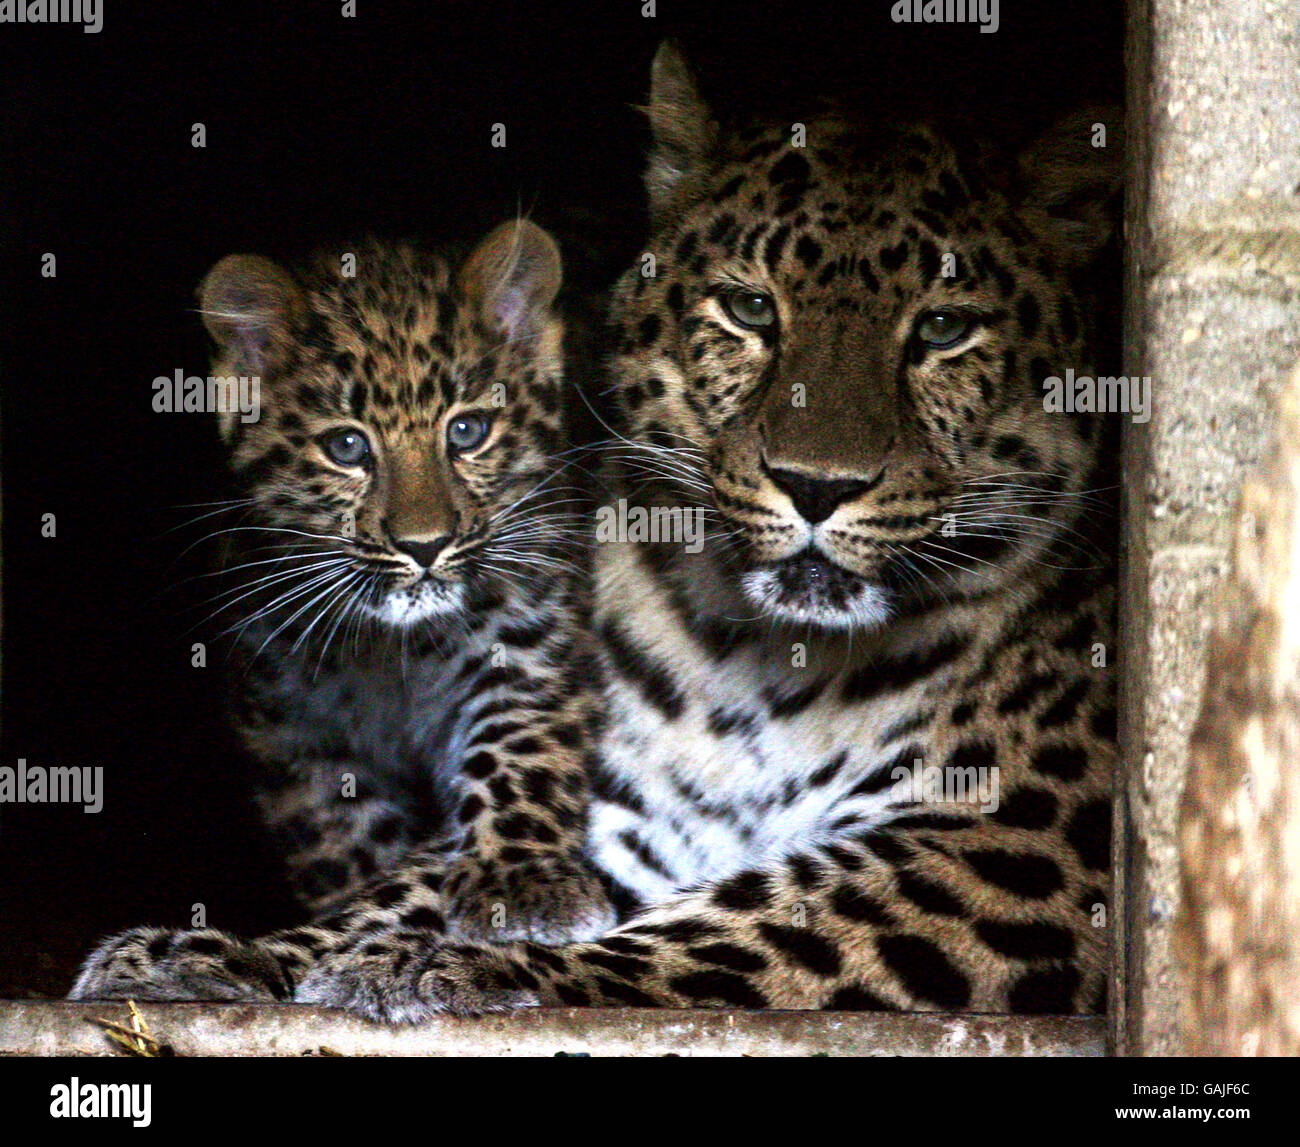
x=426 y=553
x=816 y=498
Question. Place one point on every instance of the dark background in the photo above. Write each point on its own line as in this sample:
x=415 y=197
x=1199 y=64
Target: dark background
x=318 y=128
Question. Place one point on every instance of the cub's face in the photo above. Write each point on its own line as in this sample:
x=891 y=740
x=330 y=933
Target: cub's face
x=843 y=347
x=402 y=462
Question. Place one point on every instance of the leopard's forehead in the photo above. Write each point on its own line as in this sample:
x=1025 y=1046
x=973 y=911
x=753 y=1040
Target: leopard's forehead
x=389 y=338
x=797 y=192
x=878 y=160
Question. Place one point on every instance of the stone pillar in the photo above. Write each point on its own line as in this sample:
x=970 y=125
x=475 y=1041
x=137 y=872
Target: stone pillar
x=1213 y=318
x=1238 y=941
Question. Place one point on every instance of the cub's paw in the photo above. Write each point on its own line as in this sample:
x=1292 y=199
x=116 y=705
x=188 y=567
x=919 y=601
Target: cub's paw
x=403 y=979
x=165 y=964
x=549 y=899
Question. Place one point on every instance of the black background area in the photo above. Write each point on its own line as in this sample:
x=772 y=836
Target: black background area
x=319 y=128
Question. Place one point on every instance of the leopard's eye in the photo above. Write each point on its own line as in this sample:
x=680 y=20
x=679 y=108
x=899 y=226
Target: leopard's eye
x=466 y=431
x=347 y=447
x=750 y=308
x=943 y=328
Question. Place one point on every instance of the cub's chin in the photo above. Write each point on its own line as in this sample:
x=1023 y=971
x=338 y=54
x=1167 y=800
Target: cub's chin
x=815 y=591
x=424 y=600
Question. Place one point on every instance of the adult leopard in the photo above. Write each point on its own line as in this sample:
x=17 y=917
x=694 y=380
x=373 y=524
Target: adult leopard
x=838 y=361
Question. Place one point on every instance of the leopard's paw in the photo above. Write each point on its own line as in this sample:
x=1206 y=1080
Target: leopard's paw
x=404 y=979
x=166 y=964
x=548 y=899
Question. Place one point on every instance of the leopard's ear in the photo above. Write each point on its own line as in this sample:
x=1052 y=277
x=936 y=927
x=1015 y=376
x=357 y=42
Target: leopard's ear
x=513 y=276
x=684 y=130
x=249 y=305
x=1070 y=180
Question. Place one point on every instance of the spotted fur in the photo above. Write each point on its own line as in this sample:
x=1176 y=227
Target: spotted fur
x=905 y=565
x=412 y=622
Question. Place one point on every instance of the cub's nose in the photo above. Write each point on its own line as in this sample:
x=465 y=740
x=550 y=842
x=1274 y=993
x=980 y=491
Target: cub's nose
x=426 y=553
x=816 y=498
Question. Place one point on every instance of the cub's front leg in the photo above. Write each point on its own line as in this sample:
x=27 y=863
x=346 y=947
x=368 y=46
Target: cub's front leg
x=168 y=964
x=510 y=870
x=520 y=815
x=208 y=964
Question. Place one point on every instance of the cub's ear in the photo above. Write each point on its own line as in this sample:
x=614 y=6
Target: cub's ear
x=1070 y=182
x=682 y=126
x=513 y=277
x=249 y=305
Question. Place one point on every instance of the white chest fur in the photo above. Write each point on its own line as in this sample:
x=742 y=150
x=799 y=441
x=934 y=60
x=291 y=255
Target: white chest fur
x=745 y=758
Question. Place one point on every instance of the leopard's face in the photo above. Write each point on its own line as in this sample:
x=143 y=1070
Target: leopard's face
x=403 y=461
x=843 y=346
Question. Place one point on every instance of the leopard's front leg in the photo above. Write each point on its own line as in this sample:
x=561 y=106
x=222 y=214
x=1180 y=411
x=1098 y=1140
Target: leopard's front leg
x=521 y=801
x=890 y=920
x=208 y=964
x=511 y=870
x=683 y=954
x=168 y=964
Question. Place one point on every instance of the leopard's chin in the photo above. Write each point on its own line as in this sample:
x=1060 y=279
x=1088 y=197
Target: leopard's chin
x=421 y=601
x=812 y=590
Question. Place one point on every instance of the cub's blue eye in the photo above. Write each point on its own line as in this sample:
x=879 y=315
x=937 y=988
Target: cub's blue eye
x=466 y=431
x=750 y=308
x=943 y=328
x=347 y=447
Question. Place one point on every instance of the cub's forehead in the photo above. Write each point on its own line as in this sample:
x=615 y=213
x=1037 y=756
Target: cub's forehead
x=392 y=338
x=385 y=299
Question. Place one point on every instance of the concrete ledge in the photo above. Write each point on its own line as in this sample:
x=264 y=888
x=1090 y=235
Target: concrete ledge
x=41 y=1028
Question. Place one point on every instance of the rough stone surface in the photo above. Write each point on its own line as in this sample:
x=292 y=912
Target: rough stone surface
x=232 y=1029
x=1216 y=351
x=1213 y=317
x=1238 y=934
x=1223 y=103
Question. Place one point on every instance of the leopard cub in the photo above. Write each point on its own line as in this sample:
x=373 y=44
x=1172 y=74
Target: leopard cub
x=412 y=672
